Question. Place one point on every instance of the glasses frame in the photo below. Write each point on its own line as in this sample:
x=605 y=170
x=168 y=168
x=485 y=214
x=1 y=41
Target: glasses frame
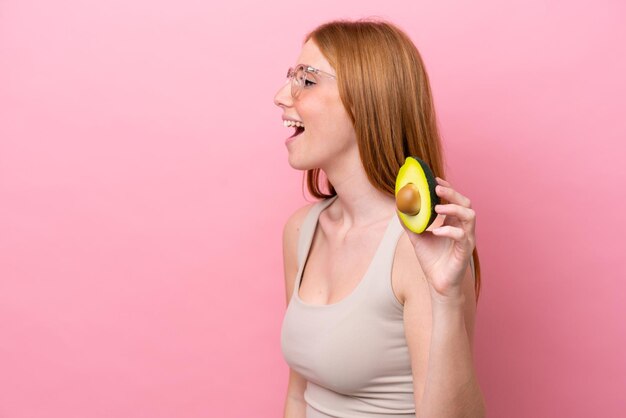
x=296 y=87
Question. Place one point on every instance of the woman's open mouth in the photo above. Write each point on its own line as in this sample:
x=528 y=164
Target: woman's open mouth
x=298 y=128
x=297 y=132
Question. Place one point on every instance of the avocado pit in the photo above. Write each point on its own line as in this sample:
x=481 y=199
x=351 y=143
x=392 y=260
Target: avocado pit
x=408 y=199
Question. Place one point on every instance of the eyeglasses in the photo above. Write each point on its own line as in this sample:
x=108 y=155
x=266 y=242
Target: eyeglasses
x=303 y=74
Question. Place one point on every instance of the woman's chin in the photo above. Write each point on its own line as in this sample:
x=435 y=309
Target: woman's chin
x=298 y=163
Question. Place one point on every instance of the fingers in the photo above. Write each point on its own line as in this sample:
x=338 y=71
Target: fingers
x=466 y=215
x=445 y=190
x=459 y=209
x=457 y=234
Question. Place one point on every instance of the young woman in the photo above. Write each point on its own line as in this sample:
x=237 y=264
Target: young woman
x=379 y=320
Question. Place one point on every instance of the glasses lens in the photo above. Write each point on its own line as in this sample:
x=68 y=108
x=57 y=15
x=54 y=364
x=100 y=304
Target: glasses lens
x=298 y=80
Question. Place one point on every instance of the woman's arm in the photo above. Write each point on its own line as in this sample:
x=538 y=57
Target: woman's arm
x=451 y=388
x=440 y=341
x=295 y=406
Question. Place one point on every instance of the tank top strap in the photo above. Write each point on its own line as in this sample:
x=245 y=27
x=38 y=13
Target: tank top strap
x=381 y=292
x=307 y=229
x=387 y=255
x=391 y=239
x=398 y=230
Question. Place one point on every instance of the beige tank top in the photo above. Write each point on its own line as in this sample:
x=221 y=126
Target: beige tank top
x=352 y=353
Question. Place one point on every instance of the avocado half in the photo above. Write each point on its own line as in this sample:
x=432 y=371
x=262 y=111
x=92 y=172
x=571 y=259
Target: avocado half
x=417 y=172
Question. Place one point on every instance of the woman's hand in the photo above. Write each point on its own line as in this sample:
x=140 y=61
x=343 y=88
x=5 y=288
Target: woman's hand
x=444 y=252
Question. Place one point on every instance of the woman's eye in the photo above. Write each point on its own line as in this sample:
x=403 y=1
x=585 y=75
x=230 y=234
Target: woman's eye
x=310 y=83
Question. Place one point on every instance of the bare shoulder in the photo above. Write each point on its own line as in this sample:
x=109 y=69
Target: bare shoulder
x=294 y=221
x=291 y=229
x=407 y=277
x=411 y=288
x=291 y=233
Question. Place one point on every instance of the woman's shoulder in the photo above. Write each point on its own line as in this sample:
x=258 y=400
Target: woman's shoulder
x=293 y=224
x=291 y=236
x=296 y=218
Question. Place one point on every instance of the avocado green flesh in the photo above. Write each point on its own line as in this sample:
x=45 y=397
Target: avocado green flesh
x=416 y=171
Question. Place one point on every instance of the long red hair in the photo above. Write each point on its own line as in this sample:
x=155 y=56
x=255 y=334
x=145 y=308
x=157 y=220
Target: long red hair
x=386 y=92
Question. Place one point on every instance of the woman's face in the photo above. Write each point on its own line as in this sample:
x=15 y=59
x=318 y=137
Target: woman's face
x=328 y=132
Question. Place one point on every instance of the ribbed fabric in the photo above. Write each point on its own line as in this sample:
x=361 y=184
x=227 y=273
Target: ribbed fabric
x=352 y=353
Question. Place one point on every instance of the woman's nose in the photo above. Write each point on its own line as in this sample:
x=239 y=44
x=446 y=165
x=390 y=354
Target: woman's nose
x=283 y=95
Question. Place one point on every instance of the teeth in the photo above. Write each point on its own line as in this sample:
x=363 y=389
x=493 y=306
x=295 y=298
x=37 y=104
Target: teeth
x=290 y=123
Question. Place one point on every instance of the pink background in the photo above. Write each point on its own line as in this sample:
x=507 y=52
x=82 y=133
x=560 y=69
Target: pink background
x=144 y=184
